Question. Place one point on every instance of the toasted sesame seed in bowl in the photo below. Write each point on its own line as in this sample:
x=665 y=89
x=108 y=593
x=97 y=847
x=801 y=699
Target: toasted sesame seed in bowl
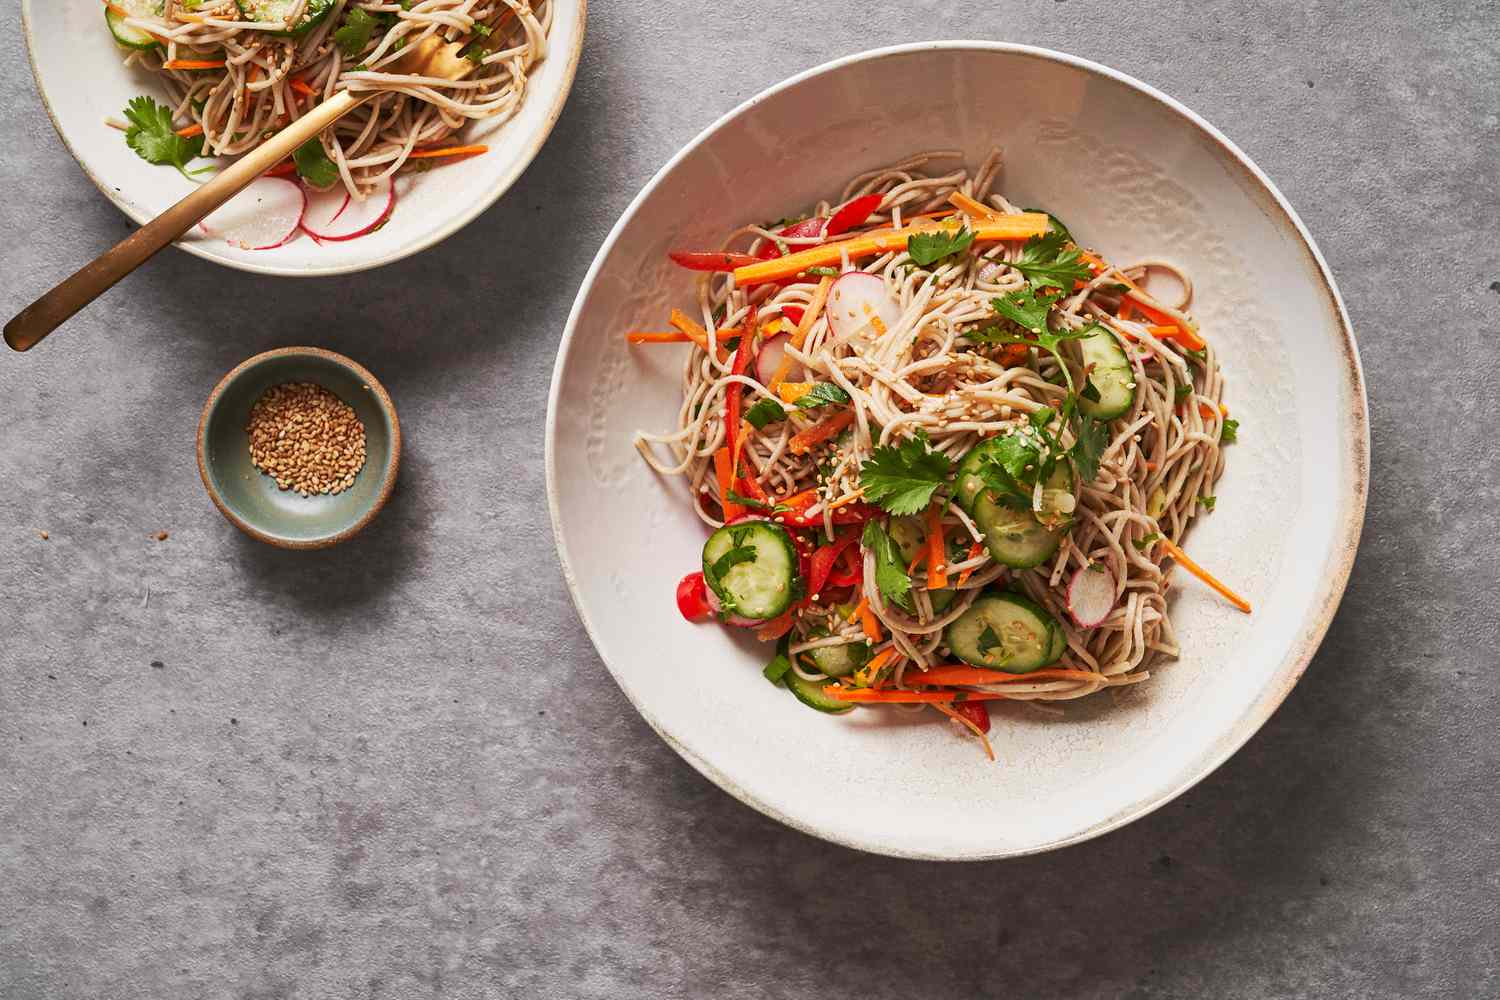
x=299 y=447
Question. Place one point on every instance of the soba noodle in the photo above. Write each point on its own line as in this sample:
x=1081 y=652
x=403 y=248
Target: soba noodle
x=1161 y=462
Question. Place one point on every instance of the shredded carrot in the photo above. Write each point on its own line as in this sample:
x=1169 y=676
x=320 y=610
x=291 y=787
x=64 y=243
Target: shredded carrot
x=775 y=628
x=1095 y=264
x=969 y=724
x=804 y=441
x=898 y=696
x=974 y=551
x=1014 y=355
x=799 y=335
x=867 y=620
x=192 y=130
x=949 y=674
x=418 y=154
x=1007 y=227
x=301 y=87
x=698 y=335
x=975 y=209
x=193 y=64
x=937 y=548
x=1204 y=575
x=1168 y=332
x=739 y=448
x=790 y=392
x=1206 y=412
x=847 y=499
x=658 y=337
x=723 y=465
x=1127 y=308
x=281 y=169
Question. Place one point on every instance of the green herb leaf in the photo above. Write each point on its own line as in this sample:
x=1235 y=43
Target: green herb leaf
x=353 y=37
x=988 y=640
x=313 y=164
x=823 y=272
x=890 y=571
x=1026 y=308
x=731 y=559
x=1092 y=438
x=929 y=248
x=1051 y=262
x=1010 y=468
x=902 y=479
x=1144 y=543
x=1041 y=418
x=154 y=139
x=1208 y=502
x=1181 y=392
x=1057 y=227
x=1229 y=433
x=824 y=394
x=766 y=411
x=754 y=504
x=781 y=663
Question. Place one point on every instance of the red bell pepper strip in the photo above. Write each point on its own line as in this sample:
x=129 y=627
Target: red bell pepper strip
x=776 y=627
x=853 y=214
x=847 y=576
x=976 y=712
x=799 y=503
x=823 y=562
x=716 y=260
x=692 y=597
x=793 y=314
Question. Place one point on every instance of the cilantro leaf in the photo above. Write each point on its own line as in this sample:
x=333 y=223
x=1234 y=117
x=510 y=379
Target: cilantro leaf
x=1230 y=432
x=903 y=478
x=929 y=248
x=354 y=36
x=823 y=394
x=988 y=640
x=732 y=558
x=1051 y=262
x=1092 y=437
x=154 y=139
x=1026 y=308
x=313 y=165
x=751 y=502
x=1041 y=418
x=1056 y=224
x=890 y=571
x=1009 y=468
x=1208 y=502
x=767 y=411
x=1181 y=391
x=1144 y=543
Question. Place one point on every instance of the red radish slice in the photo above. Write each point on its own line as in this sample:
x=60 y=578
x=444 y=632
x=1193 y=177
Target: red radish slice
x=858 y=300
x=768 y=361
x=333 y=219
x=263 y=216
x=1091 y=595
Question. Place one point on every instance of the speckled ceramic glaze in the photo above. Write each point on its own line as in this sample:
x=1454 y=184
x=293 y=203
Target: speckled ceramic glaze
x=82 y=80
x=249 y=498
x=1132 y=172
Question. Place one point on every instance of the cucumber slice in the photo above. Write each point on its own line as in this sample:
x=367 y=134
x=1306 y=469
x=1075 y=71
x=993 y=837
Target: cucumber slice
x=1014 y=536
x=1004 y=631
x=1110 y=375
x=266 y=11
x=132 y=38
x=910 y=536
x=752 y=569
x=810 y=693
x=838 y=661
x=1059 y=643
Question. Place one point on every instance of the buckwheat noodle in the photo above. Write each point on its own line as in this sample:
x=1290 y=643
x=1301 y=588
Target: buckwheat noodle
x=1163 y=455
x=269 y=79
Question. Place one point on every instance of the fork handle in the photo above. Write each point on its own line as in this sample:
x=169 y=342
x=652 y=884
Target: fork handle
x=54 y=308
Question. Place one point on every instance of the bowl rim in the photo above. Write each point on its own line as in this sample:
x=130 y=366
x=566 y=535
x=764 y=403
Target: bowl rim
x=388 y=477
x=503 y=184
x=1345 y=538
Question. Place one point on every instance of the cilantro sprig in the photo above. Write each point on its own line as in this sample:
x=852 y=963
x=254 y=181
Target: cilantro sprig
x=903 y=478
x=823 y=394
x=1051 y=261
x=890 y=571
x=154 y=139
x=927 y=249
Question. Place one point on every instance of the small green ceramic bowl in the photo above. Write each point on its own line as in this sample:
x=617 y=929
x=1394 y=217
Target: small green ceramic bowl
x=249 y=498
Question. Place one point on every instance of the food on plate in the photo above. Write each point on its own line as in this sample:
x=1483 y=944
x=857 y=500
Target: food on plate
x=943 y=450
x=234 y=72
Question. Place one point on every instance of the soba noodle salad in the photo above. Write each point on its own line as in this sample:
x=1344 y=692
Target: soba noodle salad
x=943 y=451
x=237 y=71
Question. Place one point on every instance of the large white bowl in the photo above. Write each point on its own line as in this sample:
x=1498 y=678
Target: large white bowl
x=1131 y=171
x=82 y=80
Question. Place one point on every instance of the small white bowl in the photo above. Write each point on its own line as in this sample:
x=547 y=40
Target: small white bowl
x=82 y=79
x=1129 y=170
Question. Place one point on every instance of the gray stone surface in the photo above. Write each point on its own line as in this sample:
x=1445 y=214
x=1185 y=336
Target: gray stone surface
x=398 y=769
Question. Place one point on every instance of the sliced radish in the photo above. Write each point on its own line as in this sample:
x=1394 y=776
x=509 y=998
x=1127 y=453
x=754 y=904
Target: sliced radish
x=1091 y=595
x=331 y=218
x=858 y=300
x=768 y=361
x=263 y=216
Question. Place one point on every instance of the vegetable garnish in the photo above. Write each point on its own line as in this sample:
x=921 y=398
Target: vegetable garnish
x=723 y=464
x=928 y=248
x=1008 y=227
x=710 y=261
x=314 y=166
x=903 y=478
x=354 y=36
x=1229 y=432
x=821 y=394
x=418 y=154
x=1204 y=575
x=973 y=208
x=658 y=337
x=699 y=336
x=909 y=697
x=890 y=572
x=780 y=664
x=764 y=412
x=193 y=64
x=805 y=441
x=968 y=714
x=804 y=327
x=1051 y=262
x=154 y=140
x=937 y=549
x=958 y=675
